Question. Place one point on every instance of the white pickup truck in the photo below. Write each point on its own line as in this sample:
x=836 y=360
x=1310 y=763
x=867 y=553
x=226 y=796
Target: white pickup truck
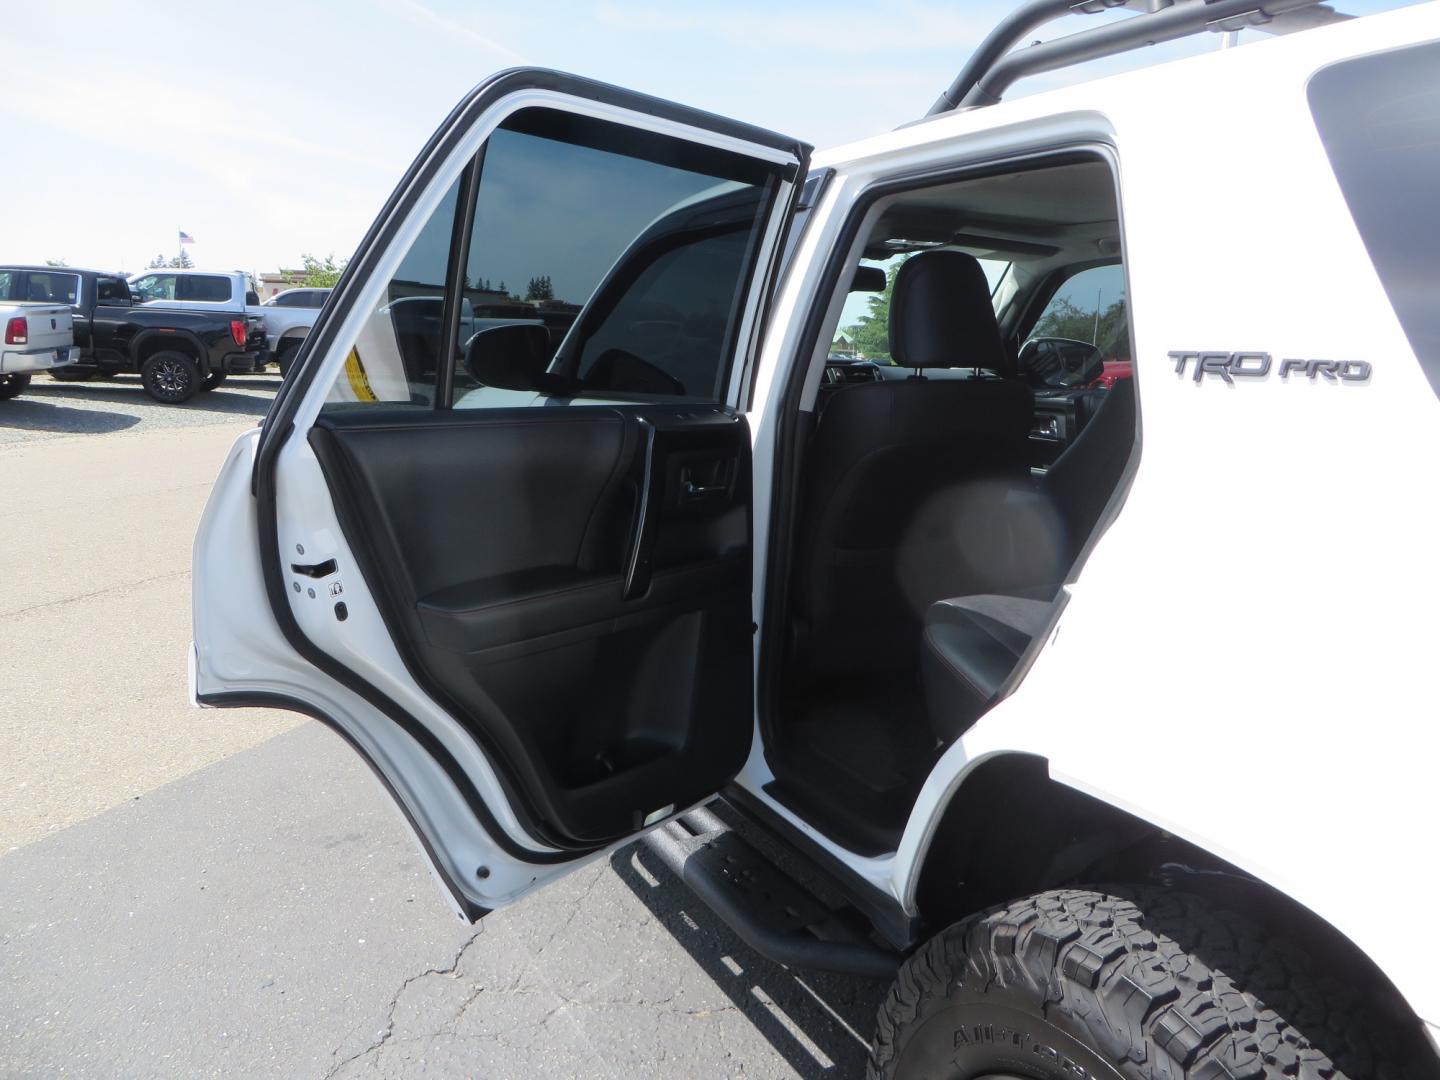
x=285 y=325
x=38 y=337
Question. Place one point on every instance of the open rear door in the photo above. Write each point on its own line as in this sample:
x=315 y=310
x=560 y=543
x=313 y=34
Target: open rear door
x=496 y=528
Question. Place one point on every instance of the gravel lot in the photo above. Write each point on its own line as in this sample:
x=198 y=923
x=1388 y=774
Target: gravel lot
x=52 y=410
x=189 y=893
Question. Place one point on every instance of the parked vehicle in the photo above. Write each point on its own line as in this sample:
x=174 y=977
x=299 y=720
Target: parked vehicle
x=38 y=334
x=286 y=328
x=178 y=353
x=286 y=324
x=1117 y=753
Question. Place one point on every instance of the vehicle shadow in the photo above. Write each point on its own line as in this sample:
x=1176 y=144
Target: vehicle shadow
x=26 y=413
x=126 y=390
x=818 y=1022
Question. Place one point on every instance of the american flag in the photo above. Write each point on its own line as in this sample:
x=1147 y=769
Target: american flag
x=186 y=238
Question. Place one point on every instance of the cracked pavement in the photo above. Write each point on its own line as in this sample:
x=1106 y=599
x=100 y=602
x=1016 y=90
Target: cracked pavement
x=268 y=915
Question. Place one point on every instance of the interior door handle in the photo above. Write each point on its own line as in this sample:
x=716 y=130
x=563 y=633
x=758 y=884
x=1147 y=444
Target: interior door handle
x=700 y=491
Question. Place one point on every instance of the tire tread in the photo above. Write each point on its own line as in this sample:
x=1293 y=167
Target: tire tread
x=1124 y=965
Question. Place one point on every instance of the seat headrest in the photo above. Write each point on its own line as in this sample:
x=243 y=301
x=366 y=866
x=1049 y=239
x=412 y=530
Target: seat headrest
x=941 y=315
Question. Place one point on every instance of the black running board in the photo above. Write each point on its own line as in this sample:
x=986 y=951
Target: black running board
x=771 y=913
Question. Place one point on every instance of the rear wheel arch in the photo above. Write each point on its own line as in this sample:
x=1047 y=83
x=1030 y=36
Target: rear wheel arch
x=147 y=345
x=1009 y=830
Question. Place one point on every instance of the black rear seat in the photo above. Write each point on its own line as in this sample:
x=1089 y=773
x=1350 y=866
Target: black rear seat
x=971 y=644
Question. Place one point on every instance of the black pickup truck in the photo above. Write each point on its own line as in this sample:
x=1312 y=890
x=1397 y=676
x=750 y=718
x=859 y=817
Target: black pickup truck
x=177 y=353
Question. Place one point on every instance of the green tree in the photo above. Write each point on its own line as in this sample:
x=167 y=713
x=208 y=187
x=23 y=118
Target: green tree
x=56 y=262
x=540 y=288
x=1108 y=329
x=316 y=273
x=174 y=262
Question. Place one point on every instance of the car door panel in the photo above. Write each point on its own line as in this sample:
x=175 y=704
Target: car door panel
x=528 y=606
x=602 y=707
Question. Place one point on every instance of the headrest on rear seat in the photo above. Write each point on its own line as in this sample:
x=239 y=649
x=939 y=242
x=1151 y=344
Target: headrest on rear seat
x=941 y=314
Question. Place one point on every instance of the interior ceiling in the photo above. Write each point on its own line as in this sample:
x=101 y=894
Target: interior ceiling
x=1038 y=210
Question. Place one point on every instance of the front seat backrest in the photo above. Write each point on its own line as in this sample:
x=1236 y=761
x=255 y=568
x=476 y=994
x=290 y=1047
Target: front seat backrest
x=941 y=314
x=903 y=474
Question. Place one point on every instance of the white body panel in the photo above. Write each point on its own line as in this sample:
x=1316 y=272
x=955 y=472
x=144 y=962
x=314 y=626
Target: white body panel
x=1257 y=626
x=49 y=338
x=1248 y=643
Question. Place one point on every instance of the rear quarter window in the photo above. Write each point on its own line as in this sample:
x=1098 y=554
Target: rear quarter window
x=1379 y=119
x=205 y=288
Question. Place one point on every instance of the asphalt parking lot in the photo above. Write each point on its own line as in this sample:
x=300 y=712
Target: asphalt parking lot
x=189 y=893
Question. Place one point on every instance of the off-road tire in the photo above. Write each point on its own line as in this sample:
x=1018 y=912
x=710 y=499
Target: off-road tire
x=1140 y=983
x=171 y=378
x=214 y=379
x=13 y=385
x=72 y=374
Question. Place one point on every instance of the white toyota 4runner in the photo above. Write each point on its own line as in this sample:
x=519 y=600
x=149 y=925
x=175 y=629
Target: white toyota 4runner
x=1111 y=710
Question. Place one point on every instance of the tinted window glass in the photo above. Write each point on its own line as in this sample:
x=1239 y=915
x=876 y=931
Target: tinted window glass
x=1379 y=118
x=51 y=288
x=629 y=254
x=7 y=284
x=1088 y=309
x=111 y=291
x=208 y=288
x=666 y=262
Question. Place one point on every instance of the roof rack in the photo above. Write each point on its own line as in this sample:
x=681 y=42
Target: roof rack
x=994 y=67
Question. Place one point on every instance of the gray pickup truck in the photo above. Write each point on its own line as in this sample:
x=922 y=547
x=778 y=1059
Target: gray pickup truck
x=38 y=337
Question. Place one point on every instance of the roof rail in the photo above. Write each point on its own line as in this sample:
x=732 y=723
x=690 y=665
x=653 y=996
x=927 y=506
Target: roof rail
x=994 y=67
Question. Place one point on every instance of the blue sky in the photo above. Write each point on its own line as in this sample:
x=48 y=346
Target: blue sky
x=274 y=128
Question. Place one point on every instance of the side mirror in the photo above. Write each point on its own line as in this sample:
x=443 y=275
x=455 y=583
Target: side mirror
x=1060 y=362
x=512 y=356
x=136 y=298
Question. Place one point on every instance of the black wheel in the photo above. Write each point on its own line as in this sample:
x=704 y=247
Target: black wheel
x=1141 y=984
x=170 y=377
x=13 y=385
x=285 y=356
x=73 y=374
x=214 y=379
